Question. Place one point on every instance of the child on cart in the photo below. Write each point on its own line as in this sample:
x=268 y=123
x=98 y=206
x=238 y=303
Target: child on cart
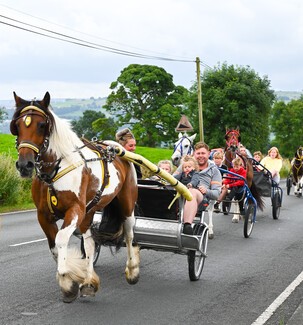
x=232 y=187
x=189 y=168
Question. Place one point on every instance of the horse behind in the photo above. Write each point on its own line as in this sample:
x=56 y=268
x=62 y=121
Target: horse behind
x=297 y=171
x=73 y=179
x=233 y=139
x=182 y=147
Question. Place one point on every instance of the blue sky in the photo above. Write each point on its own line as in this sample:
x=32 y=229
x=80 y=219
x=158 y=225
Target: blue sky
x=266 y=35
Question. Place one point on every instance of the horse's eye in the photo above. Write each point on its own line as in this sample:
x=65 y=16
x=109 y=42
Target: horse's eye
x=41 y=127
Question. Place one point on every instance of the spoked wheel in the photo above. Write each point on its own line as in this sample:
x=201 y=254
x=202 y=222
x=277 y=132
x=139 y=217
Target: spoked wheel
x=276 y=204
x=288 y=184
x=196 y=258
x=249 y=219
x=97 y=251
x=226 y=205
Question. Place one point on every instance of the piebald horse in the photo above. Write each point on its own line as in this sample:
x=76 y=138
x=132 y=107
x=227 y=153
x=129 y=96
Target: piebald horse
x=297 y=171
x=74 y=178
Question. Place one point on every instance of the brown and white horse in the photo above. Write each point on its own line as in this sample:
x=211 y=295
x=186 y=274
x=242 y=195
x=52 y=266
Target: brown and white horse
x=73 y=179
x=297 y=171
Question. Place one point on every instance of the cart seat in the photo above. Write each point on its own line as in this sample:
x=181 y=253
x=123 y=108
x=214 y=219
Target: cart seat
x=154 y=199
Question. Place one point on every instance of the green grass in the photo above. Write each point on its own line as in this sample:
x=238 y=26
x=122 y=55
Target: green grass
x=7 y=145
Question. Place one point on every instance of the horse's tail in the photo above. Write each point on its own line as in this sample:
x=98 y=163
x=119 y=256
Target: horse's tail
x=110 y=230
x=257 y=196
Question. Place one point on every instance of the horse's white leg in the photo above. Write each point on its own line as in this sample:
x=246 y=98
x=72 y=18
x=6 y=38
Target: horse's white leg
x=68 y=275
x=133 y=254
x=236 y=216
x=210 y=210
x=92 y=282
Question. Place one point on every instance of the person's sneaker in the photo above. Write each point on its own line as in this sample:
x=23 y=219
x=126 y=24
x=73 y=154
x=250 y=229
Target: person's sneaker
x=216 y=207
x=187 y=229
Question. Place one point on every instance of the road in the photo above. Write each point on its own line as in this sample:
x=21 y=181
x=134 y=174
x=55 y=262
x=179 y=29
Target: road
x=241 y=278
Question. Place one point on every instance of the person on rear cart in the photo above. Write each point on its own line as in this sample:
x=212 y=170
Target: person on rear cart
x=233 y=186
x=273 y=162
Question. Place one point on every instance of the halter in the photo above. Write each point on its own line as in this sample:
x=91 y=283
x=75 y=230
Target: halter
x=27 y=121
x=176 y=147
x=232 y=136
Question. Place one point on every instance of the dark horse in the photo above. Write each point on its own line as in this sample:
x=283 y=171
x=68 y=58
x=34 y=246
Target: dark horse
x=233 y=139
x=297 y=171
x=73 y=179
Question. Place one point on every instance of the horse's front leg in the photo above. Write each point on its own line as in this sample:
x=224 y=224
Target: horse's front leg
x=68 y=278
x=132 y=271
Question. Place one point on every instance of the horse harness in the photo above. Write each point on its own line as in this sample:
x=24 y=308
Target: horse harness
x=191 y=149
x=298 y=158
x=104 y=155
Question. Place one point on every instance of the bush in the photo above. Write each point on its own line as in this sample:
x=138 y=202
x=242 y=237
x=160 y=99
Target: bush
x=13 y=188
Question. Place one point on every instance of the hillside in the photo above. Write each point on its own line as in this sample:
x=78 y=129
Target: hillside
x=72 y=109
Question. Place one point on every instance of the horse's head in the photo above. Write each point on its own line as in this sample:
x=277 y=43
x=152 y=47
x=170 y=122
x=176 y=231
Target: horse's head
x=32 y=124
x=232 y=138
x=183 y=147
x=299 y=153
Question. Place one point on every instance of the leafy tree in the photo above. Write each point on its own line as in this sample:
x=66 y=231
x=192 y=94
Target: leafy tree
x=286 y=124
x=234 y=97
x=145 y=98
x=3 y=114
x=94 y=124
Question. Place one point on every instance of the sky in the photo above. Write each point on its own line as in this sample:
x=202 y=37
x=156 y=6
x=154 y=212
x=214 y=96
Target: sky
x=266 y=35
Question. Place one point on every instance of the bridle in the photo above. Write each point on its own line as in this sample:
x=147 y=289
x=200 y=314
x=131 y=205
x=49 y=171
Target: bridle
x=27 y=112
x=179 y=144
x=232 y=139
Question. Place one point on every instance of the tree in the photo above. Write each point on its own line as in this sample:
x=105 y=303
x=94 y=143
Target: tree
x=286 y=124
x=234 y=97
x=3 y=114
x=145 y=98
x=94 y=124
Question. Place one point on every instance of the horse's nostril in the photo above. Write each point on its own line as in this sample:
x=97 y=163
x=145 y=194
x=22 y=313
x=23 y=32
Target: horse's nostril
x=30 y=165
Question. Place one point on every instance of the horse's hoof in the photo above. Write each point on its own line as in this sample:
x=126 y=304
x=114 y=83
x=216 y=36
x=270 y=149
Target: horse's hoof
x=133 y=280
x=210 y=236
x=87 y=290
x=235 y=220
x=72 y=294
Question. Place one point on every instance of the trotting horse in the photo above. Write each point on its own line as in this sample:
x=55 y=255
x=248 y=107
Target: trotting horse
x=297 y=171
x=73 y=179
x=182 y=147
x=232 y=141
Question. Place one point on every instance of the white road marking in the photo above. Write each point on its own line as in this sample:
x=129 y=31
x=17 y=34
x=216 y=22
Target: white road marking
x=28 y=242
x=265 y=316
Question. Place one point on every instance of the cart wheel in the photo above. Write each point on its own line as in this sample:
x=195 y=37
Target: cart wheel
x=226 y=205
x=97 y=251
x=288 y=184
x=276 y=204
x=249 y=219
x=196 y=258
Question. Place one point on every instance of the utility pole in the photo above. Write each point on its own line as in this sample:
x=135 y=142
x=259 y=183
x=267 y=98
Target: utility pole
x=200 y=100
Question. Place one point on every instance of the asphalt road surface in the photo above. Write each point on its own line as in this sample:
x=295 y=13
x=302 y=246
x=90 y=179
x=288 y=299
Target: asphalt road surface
x=241 y=279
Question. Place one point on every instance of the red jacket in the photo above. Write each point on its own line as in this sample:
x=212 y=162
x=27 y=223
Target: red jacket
x=235 y=182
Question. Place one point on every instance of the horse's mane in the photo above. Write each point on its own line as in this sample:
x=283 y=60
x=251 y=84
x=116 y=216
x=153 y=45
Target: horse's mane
x=63 y=140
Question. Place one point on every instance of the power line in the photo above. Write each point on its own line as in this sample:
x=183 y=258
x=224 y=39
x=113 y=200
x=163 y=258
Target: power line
x=87 y=34
x=82 y=42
